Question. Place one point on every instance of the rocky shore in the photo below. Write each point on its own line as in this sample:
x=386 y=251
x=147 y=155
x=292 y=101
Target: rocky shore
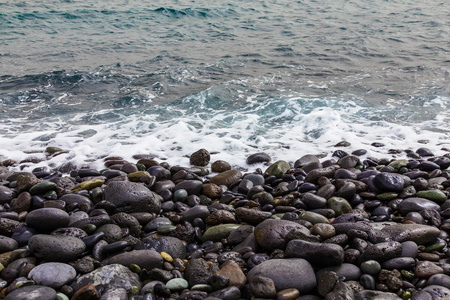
x=339 y=228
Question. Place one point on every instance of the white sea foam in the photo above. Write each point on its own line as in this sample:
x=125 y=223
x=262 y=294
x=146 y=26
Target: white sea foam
x=287 y=132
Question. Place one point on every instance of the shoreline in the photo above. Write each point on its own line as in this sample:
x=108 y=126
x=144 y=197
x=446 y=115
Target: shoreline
x=317 y=228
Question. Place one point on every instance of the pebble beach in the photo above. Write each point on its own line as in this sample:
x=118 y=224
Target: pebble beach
x=345 y=227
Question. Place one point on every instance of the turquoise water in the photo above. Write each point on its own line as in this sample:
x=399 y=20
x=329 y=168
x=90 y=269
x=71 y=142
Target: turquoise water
x=285 y=77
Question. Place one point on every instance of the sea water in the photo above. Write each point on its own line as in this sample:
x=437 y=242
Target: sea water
x=289 y=78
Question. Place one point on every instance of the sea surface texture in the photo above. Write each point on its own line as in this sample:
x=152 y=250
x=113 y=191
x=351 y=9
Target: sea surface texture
x=284 y=77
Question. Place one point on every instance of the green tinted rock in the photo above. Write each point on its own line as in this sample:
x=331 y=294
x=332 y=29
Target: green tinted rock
x=177 y=284
x=136 y=176
x=387 y=196
x=42 y=187
x=434 y=195
x=339 y=205
x=87 y=185
x=313 y=217
x=219 y=232
x=278 y=169
x=399 y=164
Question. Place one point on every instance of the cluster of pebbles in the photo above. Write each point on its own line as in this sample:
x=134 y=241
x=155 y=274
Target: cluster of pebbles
x=340 y=228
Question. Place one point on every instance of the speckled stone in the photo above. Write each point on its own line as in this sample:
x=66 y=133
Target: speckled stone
x=32 y=292
x=56 y=248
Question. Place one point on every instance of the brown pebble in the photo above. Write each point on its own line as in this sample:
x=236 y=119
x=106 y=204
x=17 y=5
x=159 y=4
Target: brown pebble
x=234 y=273
x=425 y=269
x=288 y=294
x=87 y=292
x=428 y=256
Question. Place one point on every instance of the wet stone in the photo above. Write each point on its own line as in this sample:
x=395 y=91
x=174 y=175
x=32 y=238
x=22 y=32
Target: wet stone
x=287 y=273
x=32 y=292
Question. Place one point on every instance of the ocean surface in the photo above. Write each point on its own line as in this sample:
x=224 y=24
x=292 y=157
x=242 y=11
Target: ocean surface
x=289 y=78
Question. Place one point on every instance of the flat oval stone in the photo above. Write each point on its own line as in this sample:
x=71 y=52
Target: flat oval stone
x=198 y=211
x=81 y=200
x=226 y=178
x=439 y=279
x=416 y=205
x=425 y=269
x=219 y=232
x=54 y=218
x=56 y=248
x=256 y=158
x=32 y=292
x=54 y=275
x=287 y=273
x=145 y=259
x=399 y=263
x=7 y=244
x=42 y=187
x=434 y=195
x=6 y=194
x=192 y=187
x=420 y=234
x=177 y=284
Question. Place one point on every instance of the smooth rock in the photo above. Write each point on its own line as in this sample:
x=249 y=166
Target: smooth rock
x=32 y=292
x=345 y=272
x=256 y=158
x=54 y=219
x=278 y=169
x=54 y=275
x=132 y=197
x=219 y=232
x=416 y=205
x=234 y=273
x=287 y=273
x=226 y=178
x=145 y=259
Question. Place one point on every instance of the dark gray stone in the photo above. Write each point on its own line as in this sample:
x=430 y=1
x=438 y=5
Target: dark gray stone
x=168 y=244
x=345 y=272
x=271 y=234
x=432 y=292
x=146 y=259
x=381 y=251
x=389 y=182
x=256 y=158
x=192 y=187
x=56 y=248
x=416 y=205
x=287 y=273
x=321 y=254
x=132 y=197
